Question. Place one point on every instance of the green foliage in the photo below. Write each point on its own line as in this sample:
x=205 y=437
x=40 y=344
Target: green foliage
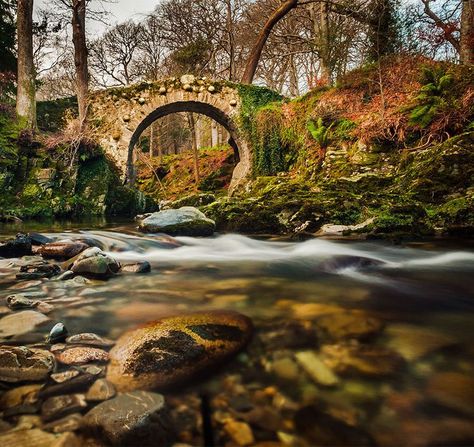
x=7 y=36
x=433 y=97
x=9 y=133
x=261 y=120
x=320 y=132
x=343 y=129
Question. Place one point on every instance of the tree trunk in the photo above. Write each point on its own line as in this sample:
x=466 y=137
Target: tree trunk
x=26 y=91
x=230 y=33
x=466 y=47
x=262 y=38
x=192 y=127
x=80 y=57
x=324 y=42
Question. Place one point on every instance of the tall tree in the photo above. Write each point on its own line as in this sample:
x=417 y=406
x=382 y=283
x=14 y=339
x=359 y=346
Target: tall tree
x=26 y=79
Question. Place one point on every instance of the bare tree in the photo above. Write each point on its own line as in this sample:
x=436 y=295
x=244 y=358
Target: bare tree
x=112 y=55
x=26 y=90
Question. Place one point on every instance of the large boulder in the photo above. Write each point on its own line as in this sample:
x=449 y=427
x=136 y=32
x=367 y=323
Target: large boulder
x=132 y=419
x=185 y=221
x=172 y=350
x=94 y=262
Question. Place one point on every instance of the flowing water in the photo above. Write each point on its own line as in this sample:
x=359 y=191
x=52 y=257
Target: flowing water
x=413 y=387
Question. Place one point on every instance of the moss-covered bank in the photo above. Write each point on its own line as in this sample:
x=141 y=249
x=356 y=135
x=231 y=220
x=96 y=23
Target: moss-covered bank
x=40 y=182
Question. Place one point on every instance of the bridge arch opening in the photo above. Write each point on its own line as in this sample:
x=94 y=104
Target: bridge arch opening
x=238 y=145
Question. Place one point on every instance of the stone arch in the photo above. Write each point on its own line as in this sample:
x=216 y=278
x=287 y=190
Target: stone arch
x=123 y=114
x=202 y=108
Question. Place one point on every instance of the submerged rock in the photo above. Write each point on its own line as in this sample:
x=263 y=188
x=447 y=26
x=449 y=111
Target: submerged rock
x=453 y=390
x=137 y=267
x=27 y=438
x=343 y=262
x=62 y=250
x=94 y=262
x=322 y=429
x=316 y=368
x=20 y=364
x=170 y=351
x=185 y=221
x=21 y=322
x=15 y=248
x=350 y=358
x=38 y=270
x=132 y=419
x=346 y=325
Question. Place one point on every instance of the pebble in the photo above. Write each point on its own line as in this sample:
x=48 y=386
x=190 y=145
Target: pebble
x=286 y=369
x=137 y=267
x=90 y=339
x=316 y=369
x=82 y=355
x=57 y=407
x=57 y=334
x=101 y=390
x=239 y=432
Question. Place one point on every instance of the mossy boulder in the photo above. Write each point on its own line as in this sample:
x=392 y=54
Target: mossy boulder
x=185 y=221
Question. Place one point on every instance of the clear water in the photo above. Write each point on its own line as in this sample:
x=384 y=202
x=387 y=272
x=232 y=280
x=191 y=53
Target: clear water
x=422 y=292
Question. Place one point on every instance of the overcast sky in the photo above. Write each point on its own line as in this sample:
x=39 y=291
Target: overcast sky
x=120 y=10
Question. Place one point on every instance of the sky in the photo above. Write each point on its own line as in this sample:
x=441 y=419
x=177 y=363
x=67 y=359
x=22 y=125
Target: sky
x=121 y=10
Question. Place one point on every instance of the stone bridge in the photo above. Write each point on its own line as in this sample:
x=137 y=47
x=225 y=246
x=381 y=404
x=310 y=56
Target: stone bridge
x=122 y=114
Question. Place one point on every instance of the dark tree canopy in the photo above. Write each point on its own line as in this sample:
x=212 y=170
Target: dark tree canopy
x=7 y=35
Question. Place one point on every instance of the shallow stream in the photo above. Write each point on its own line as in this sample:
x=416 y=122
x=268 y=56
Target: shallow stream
x=409 y=381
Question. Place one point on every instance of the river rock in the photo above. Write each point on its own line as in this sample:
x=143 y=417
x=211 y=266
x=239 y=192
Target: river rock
x=15 y=248
x=82 y=355
x=21 y=322
x=350 y=358
x=72 y=422
x=322 y=429
x=339 y=263
x=18 y=396
x=453 y=390
x=239 y=432
x=62 y=249
x=38 y=270
x=20 y=364
x=101 y=390
x=163 y=353
x=138 y=418
x=185 y=221
x=94 y=262
x=137 y=267
x=59 y=406
x=316 y=368
x=27 y=438
x=89 y=339
x=346 y=325
x=39 y=239
x=57 y=334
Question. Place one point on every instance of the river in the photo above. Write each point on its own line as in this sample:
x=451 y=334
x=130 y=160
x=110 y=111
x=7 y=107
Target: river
x=409 y=384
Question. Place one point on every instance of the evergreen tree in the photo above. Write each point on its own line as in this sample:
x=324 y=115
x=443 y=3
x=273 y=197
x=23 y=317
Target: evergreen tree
x=7 y=36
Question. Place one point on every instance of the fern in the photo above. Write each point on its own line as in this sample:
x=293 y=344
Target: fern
x=320 y=133
x=433 y=96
